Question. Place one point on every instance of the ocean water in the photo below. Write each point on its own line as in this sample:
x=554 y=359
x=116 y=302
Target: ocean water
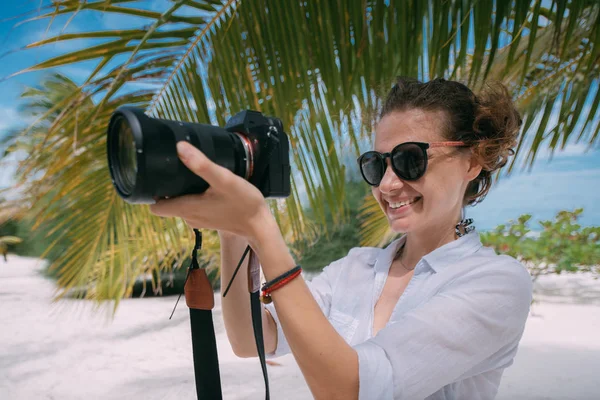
x=565 y=183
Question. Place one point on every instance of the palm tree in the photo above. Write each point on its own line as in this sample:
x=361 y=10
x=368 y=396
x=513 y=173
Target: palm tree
x=52 y=210
x=320 y=66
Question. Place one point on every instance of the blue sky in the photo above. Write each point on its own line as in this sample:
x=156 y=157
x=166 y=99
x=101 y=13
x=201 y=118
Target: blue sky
x=570 y=180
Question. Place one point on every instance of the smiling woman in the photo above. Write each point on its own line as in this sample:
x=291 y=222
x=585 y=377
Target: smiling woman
x=443 y=128
x=435 y=314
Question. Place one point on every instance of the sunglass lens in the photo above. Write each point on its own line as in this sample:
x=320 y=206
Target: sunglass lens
x=409 y=161
x=371 y=167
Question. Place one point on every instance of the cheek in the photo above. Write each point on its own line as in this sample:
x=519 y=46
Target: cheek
x=377 y=195
x=443 y=190
x=441 y=184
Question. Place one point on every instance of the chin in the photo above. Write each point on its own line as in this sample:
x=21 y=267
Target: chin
x=401 y=225
x=404 y=220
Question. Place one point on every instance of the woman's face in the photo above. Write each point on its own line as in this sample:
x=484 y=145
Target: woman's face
x=433 y=201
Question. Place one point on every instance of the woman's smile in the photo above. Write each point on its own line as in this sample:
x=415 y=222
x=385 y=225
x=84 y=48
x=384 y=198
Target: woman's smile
x=401 y=208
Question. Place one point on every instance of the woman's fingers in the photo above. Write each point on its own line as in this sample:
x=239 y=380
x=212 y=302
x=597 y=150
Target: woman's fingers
x=201 y=165
x=230 y=203
x=175 y=207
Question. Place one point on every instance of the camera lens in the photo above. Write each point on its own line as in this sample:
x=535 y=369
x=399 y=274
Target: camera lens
x=143 y=161
x=126 y=165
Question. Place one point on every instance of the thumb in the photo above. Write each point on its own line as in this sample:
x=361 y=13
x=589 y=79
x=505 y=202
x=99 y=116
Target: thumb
x=201 y=165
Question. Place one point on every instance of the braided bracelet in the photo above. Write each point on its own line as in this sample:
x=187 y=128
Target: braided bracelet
x=274 y=284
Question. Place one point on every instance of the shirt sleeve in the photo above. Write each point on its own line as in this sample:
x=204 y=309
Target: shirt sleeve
x=475 y=318
x=321 y=287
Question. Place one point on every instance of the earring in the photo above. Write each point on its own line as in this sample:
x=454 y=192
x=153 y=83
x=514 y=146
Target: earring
x=464 y=227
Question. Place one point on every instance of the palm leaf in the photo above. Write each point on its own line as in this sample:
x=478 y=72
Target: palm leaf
x=6 y=240
x=321 y=66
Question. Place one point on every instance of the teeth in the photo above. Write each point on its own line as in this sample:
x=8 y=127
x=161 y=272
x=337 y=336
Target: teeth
x=403 y=203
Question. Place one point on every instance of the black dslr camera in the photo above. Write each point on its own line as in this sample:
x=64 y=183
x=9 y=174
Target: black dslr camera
x=143 y=162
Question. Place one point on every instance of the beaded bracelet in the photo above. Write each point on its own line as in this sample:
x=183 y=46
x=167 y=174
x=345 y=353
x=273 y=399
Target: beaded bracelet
x=280 y=281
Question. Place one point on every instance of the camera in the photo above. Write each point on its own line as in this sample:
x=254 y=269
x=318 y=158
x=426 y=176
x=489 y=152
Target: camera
x=143 y=161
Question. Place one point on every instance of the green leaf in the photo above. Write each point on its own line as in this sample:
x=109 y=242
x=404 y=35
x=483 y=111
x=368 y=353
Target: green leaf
x=321 y=66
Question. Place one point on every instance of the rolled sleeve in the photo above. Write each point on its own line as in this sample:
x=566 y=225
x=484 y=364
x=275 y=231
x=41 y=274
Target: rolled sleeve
x=375 y=378
x=467 y=328
x=322 y=288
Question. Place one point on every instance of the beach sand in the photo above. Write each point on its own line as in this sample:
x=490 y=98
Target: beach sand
x=67 y=350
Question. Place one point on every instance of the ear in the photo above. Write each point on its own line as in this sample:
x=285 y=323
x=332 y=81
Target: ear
x=474 y=168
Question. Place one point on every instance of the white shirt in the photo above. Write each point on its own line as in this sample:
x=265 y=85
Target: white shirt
x=452 y=333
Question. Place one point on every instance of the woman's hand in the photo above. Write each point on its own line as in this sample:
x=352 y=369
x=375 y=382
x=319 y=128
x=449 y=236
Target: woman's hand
x=230 y=204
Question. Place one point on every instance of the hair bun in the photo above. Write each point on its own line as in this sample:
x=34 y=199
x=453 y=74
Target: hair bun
x=497 y=124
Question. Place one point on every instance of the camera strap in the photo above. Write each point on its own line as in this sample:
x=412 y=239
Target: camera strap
x=199 y=297
x=256 y=310
x=254 y=271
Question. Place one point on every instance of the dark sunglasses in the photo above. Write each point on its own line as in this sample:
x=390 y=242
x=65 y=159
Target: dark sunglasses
x=409 y=161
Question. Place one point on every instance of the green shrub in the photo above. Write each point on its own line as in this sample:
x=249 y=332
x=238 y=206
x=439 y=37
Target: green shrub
x=563 y=245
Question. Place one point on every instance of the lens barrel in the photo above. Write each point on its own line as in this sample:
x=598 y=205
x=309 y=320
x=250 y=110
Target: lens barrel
x=143 y=161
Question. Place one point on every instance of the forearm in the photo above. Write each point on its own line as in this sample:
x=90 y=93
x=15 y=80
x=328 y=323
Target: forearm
x=328 y=363
x=236 y=305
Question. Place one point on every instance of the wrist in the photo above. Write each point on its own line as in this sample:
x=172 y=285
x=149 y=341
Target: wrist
x=263 y=230
x=270 y=247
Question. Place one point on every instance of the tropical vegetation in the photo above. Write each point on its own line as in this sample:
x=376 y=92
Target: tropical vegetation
x=561 y=246
x=319 y=65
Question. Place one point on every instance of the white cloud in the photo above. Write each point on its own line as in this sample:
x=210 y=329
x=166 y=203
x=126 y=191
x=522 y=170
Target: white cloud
x=9 y=118
x=8 y=167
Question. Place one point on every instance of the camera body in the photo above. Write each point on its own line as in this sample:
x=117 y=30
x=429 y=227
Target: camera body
x=143 y=161
x=270 y=151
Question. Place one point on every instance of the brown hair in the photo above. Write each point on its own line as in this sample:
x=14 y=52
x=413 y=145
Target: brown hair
x=488 y=122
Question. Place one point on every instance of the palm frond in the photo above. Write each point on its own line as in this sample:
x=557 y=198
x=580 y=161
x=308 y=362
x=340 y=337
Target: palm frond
x=321 y=67
x=6 y=240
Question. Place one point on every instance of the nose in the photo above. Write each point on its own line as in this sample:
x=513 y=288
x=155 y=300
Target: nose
x=390 y=182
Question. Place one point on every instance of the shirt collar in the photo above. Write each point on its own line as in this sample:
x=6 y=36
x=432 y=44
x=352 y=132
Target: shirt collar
x=454 y=251
x=383 y=258
x=438 y=259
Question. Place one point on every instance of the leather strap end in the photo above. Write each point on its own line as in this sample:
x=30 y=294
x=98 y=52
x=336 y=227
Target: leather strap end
x=198 y=291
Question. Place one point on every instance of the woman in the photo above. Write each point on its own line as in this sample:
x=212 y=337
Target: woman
x=433 y=315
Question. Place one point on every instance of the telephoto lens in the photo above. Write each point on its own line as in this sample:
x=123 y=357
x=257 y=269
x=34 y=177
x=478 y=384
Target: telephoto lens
x=143 y=161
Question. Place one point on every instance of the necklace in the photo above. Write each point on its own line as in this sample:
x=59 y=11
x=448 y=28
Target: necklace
x=399 y=258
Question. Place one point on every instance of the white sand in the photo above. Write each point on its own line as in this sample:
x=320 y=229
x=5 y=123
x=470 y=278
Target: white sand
x=68 y=351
